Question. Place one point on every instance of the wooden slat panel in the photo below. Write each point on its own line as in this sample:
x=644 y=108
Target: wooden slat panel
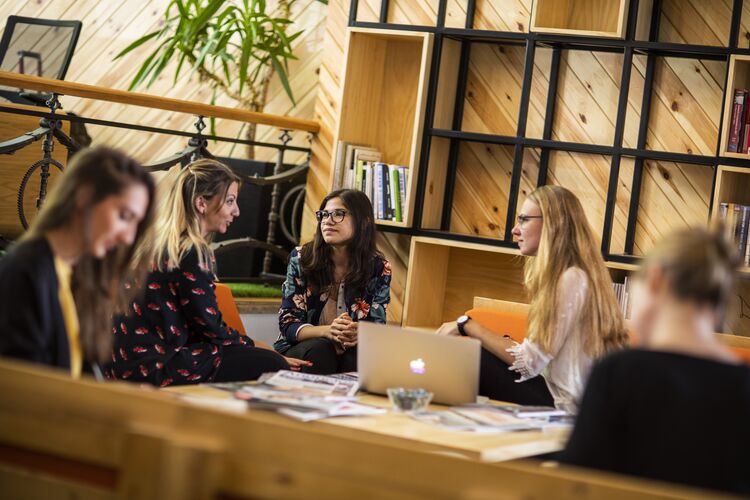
x=493 y=90
x=480 y=196
x=587 y=94
x=422 y=13
x=696 y=22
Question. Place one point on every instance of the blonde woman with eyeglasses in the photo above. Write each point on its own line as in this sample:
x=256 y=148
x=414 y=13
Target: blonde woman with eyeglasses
x=333 y=283
x=574 y=316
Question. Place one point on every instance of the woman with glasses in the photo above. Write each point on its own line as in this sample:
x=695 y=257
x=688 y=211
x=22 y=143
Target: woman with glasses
x=676 y=408
x=574 y=316
x=173 y=332
x=332 y=283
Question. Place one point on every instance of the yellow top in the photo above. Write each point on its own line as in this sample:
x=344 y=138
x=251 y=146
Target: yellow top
x=70 y=316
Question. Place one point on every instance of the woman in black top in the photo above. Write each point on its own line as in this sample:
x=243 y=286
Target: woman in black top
x=677 y=408
x=173 y=333
x=60 y=284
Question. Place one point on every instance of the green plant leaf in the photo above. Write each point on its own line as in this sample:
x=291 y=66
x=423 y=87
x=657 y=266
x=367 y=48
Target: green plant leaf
x=146 y=68
x=284 y=80
x=136 y=44
x=161 y=64
x=206 y=14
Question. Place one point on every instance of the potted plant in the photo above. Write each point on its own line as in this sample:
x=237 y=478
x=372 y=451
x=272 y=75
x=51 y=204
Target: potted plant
x=235 y=46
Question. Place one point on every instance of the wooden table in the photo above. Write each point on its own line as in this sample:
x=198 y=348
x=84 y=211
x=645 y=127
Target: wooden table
x=396 y=428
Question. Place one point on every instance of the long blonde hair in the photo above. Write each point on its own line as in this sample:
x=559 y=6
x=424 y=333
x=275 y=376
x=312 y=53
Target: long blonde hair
x=177 y=227
x=567 y=241
x=97 y=283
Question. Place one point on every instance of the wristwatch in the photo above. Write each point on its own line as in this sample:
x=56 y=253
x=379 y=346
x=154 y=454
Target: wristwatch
x=461 y=322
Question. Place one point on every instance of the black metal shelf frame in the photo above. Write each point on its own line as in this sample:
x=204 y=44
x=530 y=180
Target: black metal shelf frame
x=628 y=46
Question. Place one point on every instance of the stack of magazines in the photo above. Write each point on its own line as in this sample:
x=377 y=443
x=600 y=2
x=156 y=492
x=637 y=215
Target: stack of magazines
x=302 y=396
x=492 y=418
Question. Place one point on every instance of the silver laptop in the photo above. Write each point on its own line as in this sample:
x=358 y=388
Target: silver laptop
x=392 y=356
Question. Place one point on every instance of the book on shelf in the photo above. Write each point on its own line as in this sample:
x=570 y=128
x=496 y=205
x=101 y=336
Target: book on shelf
x=622 y=293
x=737 y=121
x=383 y=183
x=736 y=219
x=395 y=195
x=348 y=157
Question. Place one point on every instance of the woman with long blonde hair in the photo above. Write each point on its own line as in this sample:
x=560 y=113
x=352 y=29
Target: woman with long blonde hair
x=574 y=316
x=174 y=333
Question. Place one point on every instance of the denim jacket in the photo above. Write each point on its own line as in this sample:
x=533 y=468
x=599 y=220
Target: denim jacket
x=301 y=307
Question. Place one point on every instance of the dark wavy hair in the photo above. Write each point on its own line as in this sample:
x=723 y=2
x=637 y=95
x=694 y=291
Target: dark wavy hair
x=315 y=257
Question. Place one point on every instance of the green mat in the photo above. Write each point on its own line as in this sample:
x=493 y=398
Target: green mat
x=253 y=290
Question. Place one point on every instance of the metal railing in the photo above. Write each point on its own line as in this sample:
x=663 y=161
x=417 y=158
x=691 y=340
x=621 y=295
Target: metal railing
x=51 y=127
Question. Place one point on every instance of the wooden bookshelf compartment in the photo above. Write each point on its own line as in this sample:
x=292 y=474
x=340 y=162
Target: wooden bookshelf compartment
x=738 y=77
x=732 y=186
x=444 y=276
x=383 y=99
x=603 y=18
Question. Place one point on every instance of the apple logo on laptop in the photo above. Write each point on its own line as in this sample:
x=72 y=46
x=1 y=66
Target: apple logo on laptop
x=417 y=366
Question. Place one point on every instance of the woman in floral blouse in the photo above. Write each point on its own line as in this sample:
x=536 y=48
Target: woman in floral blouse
x=173 y=332
x=332 y=283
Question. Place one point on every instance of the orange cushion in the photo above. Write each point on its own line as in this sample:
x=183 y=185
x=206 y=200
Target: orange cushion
x=229 y=312
x=501 y=322
x=515 y=324
x=742 y=353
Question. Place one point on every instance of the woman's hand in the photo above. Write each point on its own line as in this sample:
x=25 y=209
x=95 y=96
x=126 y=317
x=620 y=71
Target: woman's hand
x=345 y=330
x=449 y=328
x=297 y=364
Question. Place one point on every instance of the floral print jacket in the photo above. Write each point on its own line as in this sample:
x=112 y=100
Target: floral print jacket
x=301 y=307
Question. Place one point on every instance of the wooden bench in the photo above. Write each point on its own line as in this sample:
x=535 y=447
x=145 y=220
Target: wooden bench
x=61 y=438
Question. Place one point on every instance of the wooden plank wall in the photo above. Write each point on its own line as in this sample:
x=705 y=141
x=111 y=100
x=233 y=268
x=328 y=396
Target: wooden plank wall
x=110 y=26
x=684 y=117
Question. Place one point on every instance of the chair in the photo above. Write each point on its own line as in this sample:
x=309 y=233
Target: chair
x=503 y=317
x=228 y=308
x=41 y=47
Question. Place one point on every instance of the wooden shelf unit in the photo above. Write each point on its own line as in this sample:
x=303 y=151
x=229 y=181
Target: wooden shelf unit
x=732 y=186
x=444 y=276
x=738 y=77
x=601 y=18
x=383 y=99
x=664 y=151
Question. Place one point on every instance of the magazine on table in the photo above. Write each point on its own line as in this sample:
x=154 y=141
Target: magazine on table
x=302 y=396
x=340 y=384
x=527 y=411
x=491 y=418
x=323 y=385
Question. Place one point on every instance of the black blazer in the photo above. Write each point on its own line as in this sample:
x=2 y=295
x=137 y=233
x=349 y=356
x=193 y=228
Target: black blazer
x=31 y=320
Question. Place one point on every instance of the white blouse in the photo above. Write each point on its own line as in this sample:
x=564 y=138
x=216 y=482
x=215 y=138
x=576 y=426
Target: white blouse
x=566 y=367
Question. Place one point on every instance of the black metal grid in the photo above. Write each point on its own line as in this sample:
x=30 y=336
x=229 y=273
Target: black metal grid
x=629 y=47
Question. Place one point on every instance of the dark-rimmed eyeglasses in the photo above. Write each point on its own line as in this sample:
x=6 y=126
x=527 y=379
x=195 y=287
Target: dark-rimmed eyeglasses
x=523 y=219
x=335 y=215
